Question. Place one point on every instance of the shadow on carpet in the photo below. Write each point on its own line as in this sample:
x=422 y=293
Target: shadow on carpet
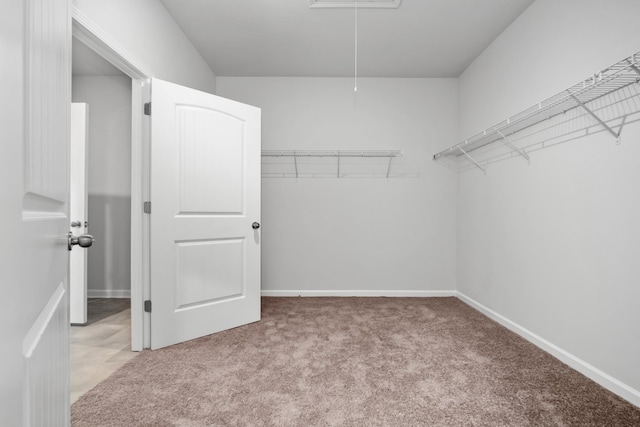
x=353 y=362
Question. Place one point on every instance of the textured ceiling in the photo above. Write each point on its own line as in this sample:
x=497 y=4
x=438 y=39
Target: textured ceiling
x=422 y=38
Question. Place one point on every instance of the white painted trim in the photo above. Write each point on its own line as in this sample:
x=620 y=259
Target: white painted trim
x=139 y=230
x=142 y=170
x=85 y=30
x=588 y=370
x=357 y=293
x=98 y=40
x=108 y=293
x=139 y=220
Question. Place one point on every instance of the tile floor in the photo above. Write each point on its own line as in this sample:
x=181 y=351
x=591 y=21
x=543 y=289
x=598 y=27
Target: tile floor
x=102 y=345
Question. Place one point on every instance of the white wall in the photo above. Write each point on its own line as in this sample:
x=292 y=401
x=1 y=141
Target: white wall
x=346 y=236
x=146 y=30
x=554 y=247
x=109 y=186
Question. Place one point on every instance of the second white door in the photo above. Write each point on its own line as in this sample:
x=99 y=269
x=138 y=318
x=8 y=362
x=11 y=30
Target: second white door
x=205 y=214
x=79 y=210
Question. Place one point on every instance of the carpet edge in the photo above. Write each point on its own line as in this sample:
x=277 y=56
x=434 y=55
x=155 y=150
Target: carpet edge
x=612 y=384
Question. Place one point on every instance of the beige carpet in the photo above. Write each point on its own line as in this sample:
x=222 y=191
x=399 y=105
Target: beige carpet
x=353 y=362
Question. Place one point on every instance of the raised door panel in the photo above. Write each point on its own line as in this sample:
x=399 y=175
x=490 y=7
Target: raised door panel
x=46 y=364
x=208 y=272
x=211 y=162
x=47 y=67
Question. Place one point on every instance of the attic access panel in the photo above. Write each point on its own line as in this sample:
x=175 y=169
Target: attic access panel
x=362 y=4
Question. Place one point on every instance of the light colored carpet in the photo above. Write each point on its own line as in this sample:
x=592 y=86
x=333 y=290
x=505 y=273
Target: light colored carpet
x=353 y=362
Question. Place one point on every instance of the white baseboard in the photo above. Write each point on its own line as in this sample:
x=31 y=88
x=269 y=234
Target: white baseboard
x=356 y=293
x=588 y=370
x=108 y=293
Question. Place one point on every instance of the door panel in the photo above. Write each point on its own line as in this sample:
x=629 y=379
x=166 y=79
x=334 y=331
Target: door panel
x=205 y=194
x=45 y=345
x=204 y=165
x=46 y=363
x=47 y=128
x=34 y=259
x=199 y=261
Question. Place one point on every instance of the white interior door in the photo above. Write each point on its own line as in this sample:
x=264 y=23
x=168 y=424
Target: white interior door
x=34 y=257
x=205 y=214
x=78 y=208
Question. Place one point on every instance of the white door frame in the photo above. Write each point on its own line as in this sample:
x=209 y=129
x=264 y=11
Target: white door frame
x=98 y=40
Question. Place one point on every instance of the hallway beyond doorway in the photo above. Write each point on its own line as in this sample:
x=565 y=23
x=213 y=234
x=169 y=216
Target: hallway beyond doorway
x=102 y=346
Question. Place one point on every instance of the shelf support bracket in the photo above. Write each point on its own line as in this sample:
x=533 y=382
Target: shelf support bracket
x=513 y=147
x=389 y=166
x=624 y=119
x=295 y=162
x=338 y=155
x=634 y=67
x=473 y=160
x=598 y=119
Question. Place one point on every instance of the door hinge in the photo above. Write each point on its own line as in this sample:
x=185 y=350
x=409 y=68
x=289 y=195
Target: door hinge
x=147 y=108
x=147 y=306
x=147 y=207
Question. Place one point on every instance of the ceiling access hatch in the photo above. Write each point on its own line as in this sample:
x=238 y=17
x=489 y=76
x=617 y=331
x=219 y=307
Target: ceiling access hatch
x=362 y=4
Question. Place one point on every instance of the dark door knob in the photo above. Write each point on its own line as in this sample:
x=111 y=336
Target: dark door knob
x=255 y=225
x=84 y=240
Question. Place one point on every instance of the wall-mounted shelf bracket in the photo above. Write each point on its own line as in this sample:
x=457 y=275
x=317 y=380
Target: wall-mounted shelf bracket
x=389 y=166
x=615 y=134
x=472 y=159
x=633 y=66
x=508 y=143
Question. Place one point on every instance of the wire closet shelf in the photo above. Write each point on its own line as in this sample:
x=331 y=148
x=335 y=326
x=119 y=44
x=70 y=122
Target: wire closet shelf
x=328 y=163
x=605 y=102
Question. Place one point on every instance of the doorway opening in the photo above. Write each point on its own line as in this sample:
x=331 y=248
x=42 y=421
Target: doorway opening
x=101 y=306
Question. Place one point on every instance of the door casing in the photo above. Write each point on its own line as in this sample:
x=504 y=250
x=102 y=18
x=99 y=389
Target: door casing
x=86 y=31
